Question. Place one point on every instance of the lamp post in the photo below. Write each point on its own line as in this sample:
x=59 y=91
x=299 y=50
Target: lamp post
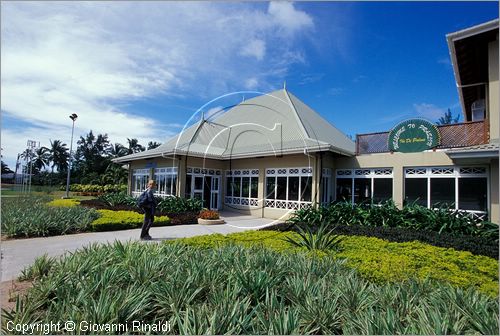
x=72 y=117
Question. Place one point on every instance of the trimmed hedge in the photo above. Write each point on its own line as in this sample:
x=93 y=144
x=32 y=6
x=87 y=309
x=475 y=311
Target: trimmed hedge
x=381 y=261
x=475 y=245
x=108 y=188
x=123 y=220
x=59 y=202
x=179 y=210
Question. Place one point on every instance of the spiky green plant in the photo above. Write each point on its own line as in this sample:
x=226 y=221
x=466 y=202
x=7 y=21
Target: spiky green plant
x=32 y=217
x=238 y=290
x=40 y=268
x=323 y=239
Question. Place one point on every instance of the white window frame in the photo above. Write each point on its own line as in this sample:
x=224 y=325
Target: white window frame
x=142 y=185
x=455 y=172
x=326 y=185
x=288 y=172
x=363 y=173
x=242 y=200
x=170 y=173
x=202 y=172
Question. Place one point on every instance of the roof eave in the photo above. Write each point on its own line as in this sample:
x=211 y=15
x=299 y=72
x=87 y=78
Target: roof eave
x=458 y=82
x=459 y=35
x=473 y=154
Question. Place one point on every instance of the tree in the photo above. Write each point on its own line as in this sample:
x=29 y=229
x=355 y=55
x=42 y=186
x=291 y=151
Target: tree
x=448 y=119
x=41 y=159
x=117 y=150
x=6 y=169
x=134 y=146
x=153 y=144
x=114 y=174
x=58 y=155
x=92 y=154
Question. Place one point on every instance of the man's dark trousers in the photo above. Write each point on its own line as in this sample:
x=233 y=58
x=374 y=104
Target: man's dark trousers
x=149 y=218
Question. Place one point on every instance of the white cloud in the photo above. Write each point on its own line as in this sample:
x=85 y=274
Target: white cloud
x=91 y=58
x=255 y=48
x=251 y=83
x=289 y=18
x=429 y=111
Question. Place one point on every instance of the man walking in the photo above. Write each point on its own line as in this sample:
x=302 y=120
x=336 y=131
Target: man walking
x=149 y=206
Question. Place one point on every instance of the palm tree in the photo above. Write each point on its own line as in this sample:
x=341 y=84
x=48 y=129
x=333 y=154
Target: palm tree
x=59 y=155
x=117 y=150
x=134 y=146
x=27 y=155
x=42 y=158
x=92 y=153
x=153 y=144
x=448 y=119
x=114 y=174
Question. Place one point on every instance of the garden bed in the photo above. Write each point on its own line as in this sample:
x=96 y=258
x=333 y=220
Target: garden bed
x=474 y=245
x=187 y=217
x=237 y=290
x=379 y=260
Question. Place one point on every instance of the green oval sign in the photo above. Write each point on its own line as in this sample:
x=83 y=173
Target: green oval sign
x=413 y=135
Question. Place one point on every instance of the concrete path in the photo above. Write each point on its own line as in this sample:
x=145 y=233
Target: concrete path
x=19 y=253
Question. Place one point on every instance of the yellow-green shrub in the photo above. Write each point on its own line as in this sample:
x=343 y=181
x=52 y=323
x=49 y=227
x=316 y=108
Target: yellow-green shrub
x=121 y=220
x=381 y=261
x=60 y=202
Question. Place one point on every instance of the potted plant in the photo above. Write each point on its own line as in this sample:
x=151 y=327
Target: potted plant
x=209 y=217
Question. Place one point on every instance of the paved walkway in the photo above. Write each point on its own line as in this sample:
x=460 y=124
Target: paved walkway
x=19 y=253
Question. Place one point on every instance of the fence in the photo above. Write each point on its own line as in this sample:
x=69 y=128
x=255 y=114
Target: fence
x=453 y=135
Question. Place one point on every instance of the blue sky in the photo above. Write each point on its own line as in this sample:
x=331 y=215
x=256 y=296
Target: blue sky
x=136 y=69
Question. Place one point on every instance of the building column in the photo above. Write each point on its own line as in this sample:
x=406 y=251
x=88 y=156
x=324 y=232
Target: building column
x=398 y=185
x=181 y=176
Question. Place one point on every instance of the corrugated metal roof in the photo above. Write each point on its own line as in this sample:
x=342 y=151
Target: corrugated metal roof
x=492 y=146
x=275 y=123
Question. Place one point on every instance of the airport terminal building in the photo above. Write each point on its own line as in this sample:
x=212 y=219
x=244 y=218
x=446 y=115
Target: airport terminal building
x=272 y=154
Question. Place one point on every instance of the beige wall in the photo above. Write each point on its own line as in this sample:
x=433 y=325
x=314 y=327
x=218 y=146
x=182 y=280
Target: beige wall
x=254 y=163
x=494 y=191
x=160 y=162
x=261 y=164
x=493 y=90
x=397 y=161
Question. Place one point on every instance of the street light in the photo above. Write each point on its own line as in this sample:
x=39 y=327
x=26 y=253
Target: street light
x=72 y=117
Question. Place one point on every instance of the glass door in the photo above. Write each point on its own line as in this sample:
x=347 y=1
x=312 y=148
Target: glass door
x=214 y=193
x=197 y=191
x=205 y=188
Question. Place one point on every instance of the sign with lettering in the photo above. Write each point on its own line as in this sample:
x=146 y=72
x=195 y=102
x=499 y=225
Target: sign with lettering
x=414 y=135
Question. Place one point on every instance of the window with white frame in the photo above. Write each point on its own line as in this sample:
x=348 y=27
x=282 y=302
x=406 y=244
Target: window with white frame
x=364 y=185
x=140 y=179
x=166 y=181
x=288 y=188
x=461 y=188
x=242 y=187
